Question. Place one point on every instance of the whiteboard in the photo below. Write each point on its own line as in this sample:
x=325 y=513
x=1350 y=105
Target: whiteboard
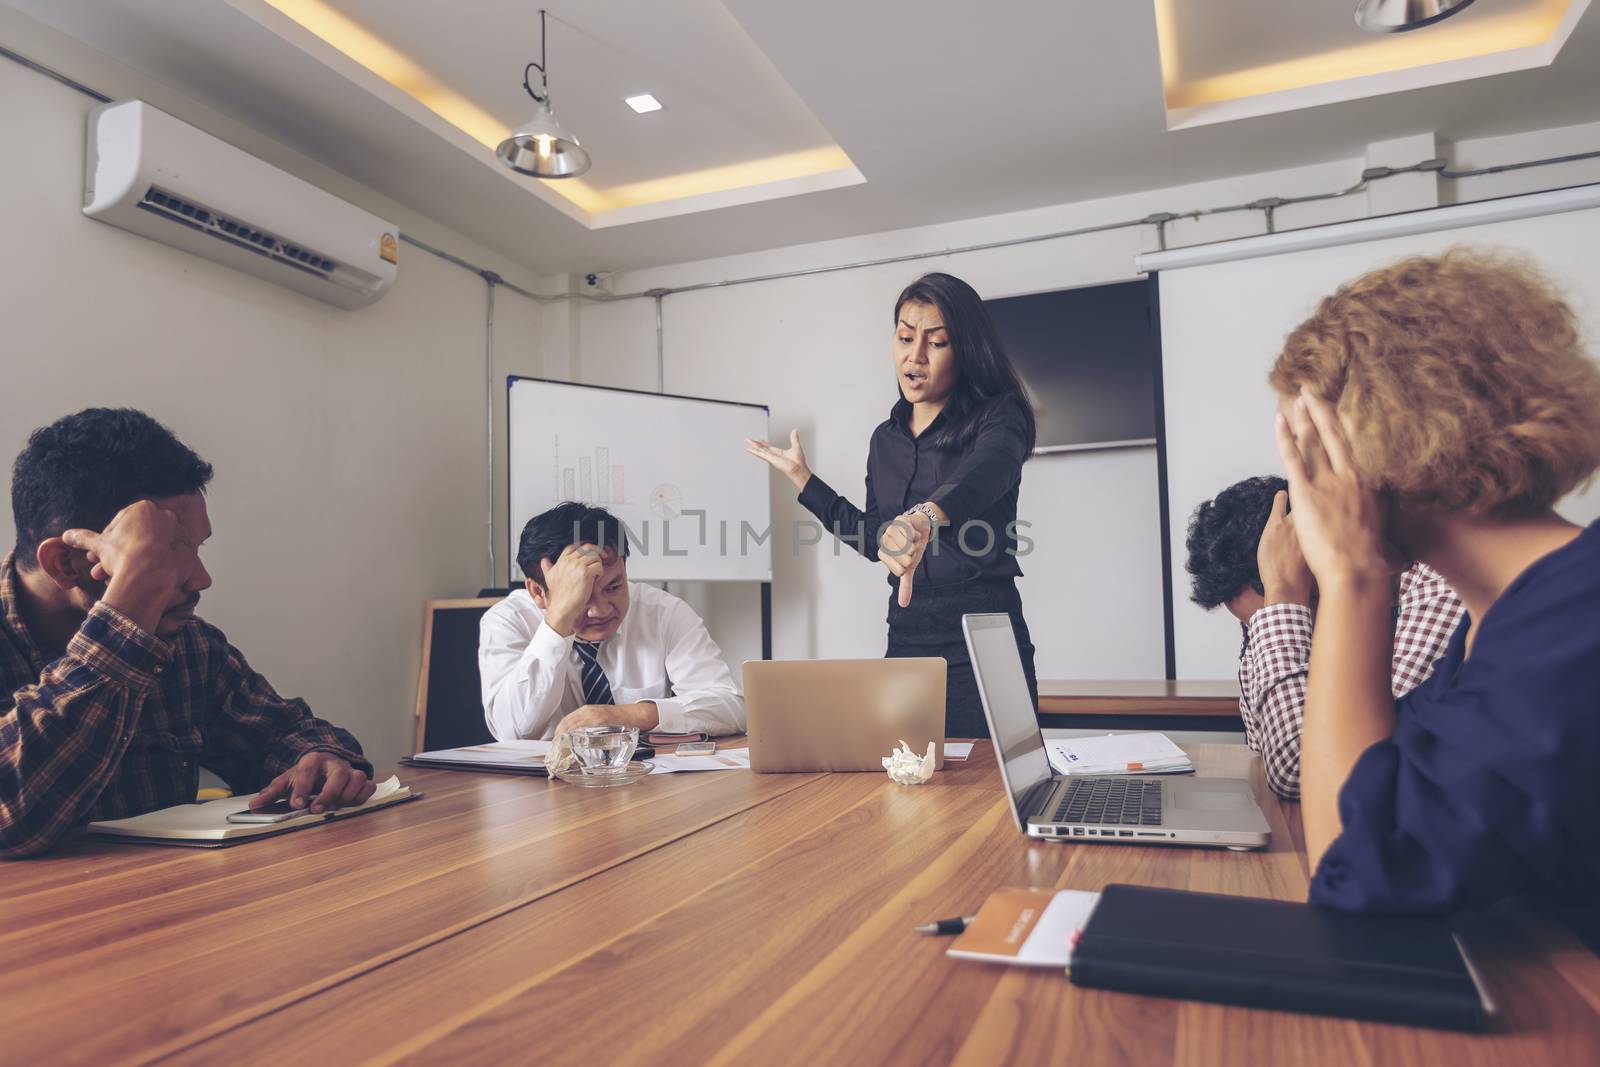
x=673 y=469
x=1223 y=325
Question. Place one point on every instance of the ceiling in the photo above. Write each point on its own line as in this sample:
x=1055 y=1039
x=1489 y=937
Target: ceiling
x=732 y=123
x=1220 y=61
x=785 y=122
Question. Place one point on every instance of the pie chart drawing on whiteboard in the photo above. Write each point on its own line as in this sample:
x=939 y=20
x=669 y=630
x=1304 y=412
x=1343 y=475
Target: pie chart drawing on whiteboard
x=666 y=501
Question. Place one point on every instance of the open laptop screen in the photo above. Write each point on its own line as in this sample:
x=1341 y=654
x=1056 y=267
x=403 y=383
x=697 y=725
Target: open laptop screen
x=1006 y=702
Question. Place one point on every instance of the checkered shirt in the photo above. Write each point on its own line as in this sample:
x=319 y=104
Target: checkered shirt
x=1277 y=656
x=120 y=723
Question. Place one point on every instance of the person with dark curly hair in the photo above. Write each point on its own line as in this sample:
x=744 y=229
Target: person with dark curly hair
x=1441 y=408
x=1243 y=555
x=113 y=692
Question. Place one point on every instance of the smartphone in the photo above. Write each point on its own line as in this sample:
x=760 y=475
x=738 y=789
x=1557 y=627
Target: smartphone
x=278 y=811
x=696 y=748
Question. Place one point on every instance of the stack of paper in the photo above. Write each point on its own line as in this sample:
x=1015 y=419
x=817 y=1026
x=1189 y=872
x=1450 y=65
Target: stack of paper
x=724 y=759
x=527 y=757
x=1118 y=754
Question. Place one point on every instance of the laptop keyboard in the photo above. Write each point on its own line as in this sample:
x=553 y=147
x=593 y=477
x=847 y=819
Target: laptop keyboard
x=1110 y=802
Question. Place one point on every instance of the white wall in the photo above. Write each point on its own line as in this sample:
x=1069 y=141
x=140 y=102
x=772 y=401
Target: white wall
x=348 y=446
x=815 y=349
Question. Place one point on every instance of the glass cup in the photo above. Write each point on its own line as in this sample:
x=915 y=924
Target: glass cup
x=604 y=750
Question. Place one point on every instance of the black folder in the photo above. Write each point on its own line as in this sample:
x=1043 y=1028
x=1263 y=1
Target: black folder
x=1277 y=954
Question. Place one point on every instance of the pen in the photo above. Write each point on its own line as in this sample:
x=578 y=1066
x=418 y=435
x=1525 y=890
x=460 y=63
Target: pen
x=945 y=926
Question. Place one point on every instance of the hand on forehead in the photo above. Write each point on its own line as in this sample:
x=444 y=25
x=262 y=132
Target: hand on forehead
x=190 y=508
x=608 y=555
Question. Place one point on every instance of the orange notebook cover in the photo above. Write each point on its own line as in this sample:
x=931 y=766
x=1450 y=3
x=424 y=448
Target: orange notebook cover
x=1026 y=927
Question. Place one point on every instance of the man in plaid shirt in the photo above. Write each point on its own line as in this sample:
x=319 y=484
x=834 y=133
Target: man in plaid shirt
x=113 y=693
x=1243 y=554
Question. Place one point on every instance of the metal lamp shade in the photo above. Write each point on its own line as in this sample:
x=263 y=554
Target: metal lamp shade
x=541 y=148
x=1397 y=16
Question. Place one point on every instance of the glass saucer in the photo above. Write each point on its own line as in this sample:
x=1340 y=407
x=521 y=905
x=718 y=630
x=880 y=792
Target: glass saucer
x=627 y=776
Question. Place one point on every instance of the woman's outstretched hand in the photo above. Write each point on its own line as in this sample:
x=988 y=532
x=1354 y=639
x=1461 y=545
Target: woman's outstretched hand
x=791 y=461
x=1338 y=519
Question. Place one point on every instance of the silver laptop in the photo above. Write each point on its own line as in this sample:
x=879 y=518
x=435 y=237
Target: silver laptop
x=1122 y=808
x=842 y=714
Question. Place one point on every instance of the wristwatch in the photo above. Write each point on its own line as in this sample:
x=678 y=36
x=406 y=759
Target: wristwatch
x=925 y=509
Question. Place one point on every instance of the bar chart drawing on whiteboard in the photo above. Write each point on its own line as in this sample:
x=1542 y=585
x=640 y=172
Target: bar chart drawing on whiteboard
x=595 y=479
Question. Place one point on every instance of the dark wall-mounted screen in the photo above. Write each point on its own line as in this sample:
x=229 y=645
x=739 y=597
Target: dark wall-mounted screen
x=1088 y=357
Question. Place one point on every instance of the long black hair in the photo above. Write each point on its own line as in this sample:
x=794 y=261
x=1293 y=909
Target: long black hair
x=985 y=379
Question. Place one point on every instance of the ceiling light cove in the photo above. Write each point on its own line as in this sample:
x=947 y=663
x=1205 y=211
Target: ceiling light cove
x=588 y=200
x=1287 y=63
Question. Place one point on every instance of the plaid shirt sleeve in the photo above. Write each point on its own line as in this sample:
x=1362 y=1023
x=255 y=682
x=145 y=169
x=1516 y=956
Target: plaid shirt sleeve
x=1272 y=684
x=1427 y=616
x=63 y=736
x=255 y=734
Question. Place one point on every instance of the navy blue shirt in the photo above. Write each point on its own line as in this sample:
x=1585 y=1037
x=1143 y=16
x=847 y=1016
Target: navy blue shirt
x=976 y=485
x=1490 y=784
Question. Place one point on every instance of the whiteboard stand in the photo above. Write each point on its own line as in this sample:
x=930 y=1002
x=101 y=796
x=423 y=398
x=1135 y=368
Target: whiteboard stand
x=766 y=620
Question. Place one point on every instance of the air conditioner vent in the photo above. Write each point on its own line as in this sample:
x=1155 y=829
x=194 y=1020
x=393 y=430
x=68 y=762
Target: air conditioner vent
x=151 y=174
x=179 y=209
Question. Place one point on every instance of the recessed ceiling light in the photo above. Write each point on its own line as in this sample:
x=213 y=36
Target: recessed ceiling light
x=643 y=103
x=1398 y=16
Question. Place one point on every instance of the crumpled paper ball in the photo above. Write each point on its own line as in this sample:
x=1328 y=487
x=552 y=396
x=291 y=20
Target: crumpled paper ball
x=560 y=758
x=908 y=768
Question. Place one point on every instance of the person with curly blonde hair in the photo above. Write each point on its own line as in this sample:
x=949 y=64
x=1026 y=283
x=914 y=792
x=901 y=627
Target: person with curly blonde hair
x=1437 y=410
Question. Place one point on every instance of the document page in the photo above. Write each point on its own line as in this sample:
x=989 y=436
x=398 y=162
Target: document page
x=1146 y=753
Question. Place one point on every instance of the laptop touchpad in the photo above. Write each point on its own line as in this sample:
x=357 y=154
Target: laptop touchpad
x=1210 y=800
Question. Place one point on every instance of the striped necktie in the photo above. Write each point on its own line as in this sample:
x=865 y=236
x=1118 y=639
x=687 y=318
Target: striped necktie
x=596 y=689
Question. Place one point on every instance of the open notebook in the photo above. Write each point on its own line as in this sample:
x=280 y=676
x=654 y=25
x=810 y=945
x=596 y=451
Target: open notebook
x=207 y=826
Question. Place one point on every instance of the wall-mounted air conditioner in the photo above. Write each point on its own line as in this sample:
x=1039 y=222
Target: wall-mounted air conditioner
x=152 y=174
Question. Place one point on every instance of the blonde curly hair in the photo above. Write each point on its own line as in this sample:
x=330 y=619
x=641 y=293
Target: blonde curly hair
x=1464 y=380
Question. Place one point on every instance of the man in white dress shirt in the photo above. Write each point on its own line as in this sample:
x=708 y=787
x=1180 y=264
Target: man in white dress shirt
x=583 y=646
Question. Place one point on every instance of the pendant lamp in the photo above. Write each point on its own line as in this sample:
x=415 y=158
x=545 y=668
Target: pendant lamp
x=541 y=147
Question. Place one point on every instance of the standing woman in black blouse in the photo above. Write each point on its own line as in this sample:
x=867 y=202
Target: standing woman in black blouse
x=943 y=472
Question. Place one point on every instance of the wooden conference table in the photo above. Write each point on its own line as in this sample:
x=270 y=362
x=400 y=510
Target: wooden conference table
x=718 y=918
